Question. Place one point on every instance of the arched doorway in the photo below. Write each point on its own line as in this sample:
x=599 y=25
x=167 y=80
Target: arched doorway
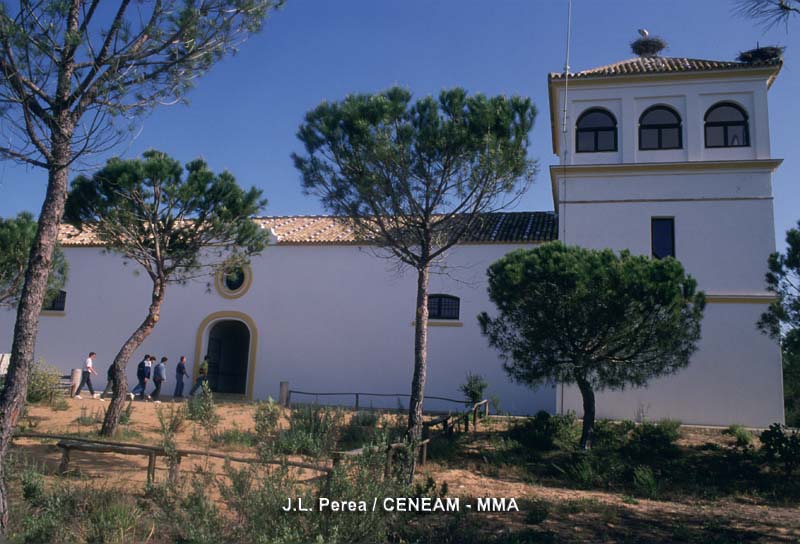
x=237 y=332
x=228 y=352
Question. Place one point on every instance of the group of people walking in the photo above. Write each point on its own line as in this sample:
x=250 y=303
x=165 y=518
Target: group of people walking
x=146 y=371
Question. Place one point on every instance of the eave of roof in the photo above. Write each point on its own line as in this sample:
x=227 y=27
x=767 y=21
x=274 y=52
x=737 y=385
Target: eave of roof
x=497 y=228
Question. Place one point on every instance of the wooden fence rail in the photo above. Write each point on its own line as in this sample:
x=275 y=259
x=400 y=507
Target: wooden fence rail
x=68 y=443
x=286 y=396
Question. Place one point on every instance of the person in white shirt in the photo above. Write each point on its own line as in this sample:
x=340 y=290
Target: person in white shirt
x=86 y=377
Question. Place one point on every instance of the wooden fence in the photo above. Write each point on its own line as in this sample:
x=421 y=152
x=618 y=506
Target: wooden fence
x=286 y=394
x=67 y=444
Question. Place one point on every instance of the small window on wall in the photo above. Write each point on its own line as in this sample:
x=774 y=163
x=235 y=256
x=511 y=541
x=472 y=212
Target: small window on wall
x=662 y=237
x=57 y=304
x=443 y=307
x=660 y=128
x=596 y=131
x=726 y=126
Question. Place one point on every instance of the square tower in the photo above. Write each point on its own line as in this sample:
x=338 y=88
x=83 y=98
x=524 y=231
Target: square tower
x=671 y=157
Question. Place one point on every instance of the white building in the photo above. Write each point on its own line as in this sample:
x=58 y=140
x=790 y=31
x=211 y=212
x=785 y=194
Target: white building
x=660 y=156
x=671 y=156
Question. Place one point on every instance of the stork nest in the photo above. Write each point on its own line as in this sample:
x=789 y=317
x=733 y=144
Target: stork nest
x=761 y=54
x=648 y=47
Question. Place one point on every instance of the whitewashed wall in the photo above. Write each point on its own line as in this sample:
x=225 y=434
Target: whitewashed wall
x=329 y=318
x=734 y=378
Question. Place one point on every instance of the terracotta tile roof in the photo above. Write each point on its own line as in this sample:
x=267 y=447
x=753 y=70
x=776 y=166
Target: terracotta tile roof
x=504 y=227
x=664 y=65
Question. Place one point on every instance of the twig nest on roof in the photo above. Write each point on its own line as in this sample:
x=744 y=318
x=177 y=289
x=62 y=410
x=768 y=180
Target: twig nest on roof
x=648 y=47
x=761 y=54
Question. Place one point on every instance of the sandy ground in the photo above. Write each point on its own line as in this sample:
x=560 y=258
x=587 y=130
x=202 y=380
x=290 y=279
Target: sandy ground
x=589 y=516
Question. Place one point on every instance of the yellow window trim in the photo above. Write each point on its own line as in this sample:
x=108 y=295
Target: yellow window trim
x=441 y=323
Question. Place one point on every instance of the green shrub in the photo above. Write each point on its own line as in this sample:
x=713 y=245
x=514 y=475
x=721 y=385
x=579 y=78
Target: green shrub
x=536 y=512
x=583 y=472
x=33 y=489
x=313 y=429
x=743 y=438
x=267 y=416
x=199 y=520
x=474 y=388
x=234 y=436
x=546 y=432
x=66 y=513
x=256 y=496
x=43 y=382
x=93 y=418
x=125 y=415
x=59 y=404
x=114 y=522
x=611 y=435
x=644 y=482
x=650 y=441
x=360 y=430
x=201 y=409
x=781 y=445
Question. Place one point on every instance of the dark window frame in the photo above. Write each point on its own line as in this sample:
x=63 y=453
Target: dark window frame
x=595 y=131
x=745 y=123
x=660 y=128
x=653 y=233
x=435 y=308
x=58 y=304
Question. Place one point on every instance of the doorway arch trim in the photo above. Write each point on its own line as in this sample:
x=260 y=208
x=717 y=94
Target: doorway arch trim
x=202 y=331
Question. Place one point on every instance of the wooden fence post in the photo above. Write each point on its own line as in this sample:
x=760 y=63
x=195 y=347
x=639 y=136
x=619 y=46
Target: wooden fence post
x=151 y=468
x=283 y=396
x=174 y=470
x=357 y=402
x=64 y=466
x=486 y=409
x=75 y=381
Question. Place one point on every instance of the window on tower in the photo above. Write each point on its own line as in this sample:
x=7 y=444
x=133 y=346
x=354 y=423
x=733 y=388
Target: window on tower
x=662 y=237
x=596 y=131
x=726 y=126
x=660 y=128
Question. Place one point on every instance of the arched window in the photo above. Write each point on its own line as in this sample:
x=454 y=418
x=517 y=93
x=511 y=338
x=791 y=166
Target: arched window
x=726 y=126
x=443 y=307
x=596 y=131
x=660 y=128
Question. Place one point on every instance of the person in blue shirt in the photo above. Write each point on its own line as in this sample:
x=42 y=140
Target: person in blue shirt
x=159 y=377
x=180 y=372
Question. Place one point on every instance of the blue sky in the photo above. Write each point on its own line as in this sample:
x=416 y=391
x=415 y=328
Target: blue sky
x=243 y=116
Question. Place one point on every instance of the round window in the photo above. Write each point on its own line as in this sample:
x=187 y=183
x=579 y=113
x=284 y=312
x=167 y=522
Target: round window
x=234 y=279
x=234 y=282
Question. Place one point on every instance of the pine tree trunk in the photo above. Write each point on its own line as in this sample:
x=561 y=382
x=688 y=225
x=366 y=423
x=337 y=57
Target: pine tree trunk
x=111 y=420
x=12 y=398
x=587 y=434
x=420 y=361
x=420 y=357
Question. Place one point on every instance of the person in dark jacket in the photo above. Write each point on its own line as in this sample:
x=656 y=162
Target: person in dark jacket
x=109 y=381
x=180 y=373
x=141 y=375
x=159 y=377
